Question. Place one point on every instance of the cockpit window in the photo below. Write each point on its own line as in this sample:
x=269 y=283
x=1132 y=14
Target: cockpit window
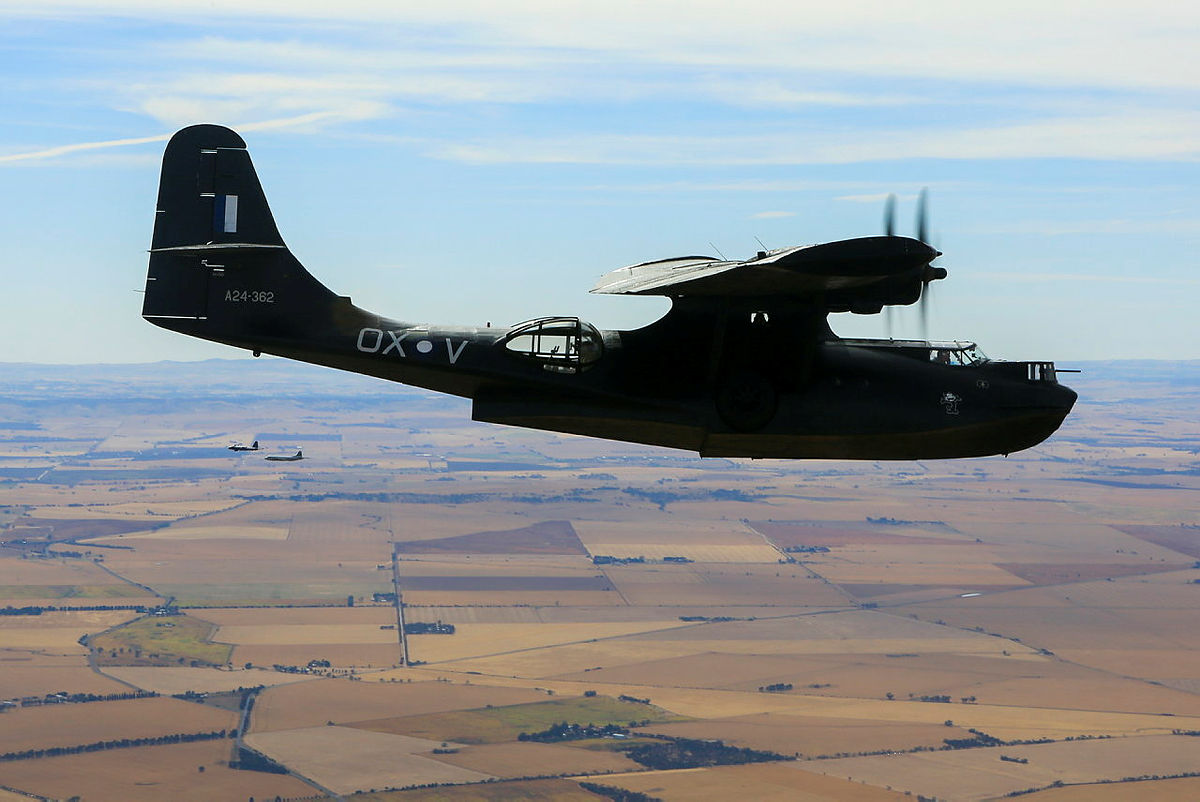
x=561 y=344
x=957 y=354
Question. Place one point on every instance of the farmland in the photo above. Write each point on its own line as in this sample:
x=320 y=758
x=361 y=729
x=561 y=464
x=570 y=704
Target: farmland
x=399 y=608
x=160 y=641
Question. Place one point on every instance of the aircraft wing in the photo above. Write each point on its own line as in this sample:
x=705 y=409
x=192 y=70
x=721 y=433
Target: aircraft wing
x=850 y=275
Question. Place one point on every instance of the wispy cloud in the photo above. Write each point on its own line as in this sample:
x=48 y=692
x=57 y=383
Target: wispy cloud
x=63 y=150
x=1146 y=134
x=771 y=215
x=848 y=86
x=78 y=147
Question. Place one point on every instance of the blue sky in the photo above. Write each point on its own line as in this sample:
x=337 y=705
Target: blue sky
x=467 y=161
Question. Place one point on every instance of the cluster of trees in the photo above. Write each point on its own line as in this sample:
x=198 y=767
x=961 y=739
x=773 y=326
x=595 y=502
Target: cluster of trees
x=425 y=628
x=249 y=760
x=776 y=687
x=634 y=699
x=617 y=794
x=123 y=743
x=901 y=522
x=688 y=753
x=977 y=739
x=575 y=732
x=312 y=666
x=664 y=497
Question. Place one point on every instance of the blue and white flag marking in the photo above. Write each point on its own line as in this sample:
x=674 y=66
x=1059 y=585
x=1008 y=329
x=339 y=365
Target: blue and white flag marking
x=225 y=209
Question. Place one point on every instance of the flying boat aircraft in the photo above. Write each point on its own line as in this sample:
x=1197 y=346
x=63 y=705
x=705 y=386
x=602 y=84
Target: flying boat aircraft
x=299 y=455
x=744 y=364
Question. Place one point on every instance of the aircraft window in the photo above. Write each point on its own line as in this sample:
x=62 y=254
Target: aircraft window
x=968 y=355
x=562 y=344
x=1042 y=372
x=973 y=355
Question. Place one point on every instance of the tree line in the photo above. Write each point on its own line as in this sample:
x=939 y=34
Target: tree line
x=62 y=697
x=38 y=609
x=122 y=743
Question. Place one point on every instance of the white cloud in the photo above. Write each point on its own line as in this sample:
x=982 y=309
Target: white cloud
x=1100 y=44
x=62 y=150
x=383 y=59
x=1137 y=134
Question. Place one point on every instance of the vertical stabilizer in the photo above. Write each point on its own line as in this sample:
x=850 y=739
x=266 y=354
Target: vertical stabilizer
x=218 y=267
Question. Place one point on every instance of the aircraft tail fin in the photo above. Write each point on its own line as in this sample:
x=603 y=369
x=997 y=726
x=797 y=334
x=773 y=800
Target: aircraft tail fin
x=255 y=445
x=209 y=193
x=219 y=269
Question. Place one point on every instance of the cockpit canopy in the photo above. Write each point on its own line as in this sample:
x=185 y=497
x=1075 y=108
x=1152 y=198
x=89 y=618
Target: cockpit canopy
x=560 y=344
x=956 y=353
x=952 y=352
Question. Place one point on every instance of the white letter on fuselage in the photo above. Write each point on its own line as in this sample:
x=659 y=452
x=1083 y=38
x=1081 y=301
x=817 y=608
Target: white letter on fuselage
x=396 y=343
x=372 y=348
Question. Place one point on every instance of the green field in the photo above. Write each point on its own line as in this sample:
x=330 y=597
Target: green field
x=119 y=590
x=160 y=641
x=501 y=724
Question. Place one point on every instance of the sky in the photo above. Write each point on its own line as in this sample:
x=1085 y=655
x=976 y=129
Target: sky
x=466 y=161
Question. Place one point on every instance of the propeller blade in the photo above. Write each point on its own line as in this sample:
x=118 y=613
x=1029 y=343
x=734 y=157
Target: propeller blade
x=923 y=305
x=922 y=230
x=889 y=216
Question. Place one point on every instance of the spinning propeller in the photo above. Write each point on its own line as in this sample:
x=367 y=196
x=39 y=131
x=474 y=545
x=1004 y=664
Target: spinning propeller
x=930 y=272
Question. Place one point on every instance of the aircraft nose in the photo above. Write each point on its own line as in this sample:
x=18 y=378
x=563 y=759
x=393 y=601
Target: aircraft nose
x=1066 y=397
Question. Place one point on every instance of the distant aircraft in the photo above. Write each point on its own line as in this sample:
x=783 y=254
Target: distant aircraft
x=285 y=457
x=239 y=447
x=743 y=365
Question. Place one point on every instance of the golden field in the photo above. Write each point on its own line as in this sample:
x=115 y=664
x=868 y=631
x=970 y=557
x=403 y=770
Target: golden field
x=149 y=774
x=76 y=724
x=346 y=760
